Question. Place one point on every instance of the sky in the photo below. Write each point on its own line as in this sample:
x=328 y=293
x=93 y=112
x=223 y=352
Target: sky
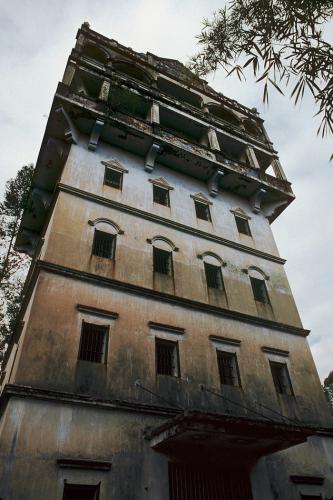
x=36 y=38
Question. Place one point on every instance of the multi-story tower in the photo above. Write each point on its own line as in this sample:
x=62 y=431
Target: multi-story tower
x=160 y=353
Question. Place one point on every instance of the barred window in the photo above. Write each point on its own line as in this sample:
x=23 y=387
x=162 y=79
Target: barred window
x=228 y=368
x=259 y=290
x=104 y=244
x=93 y=343
x=162 y=261
x=242 y=225
x=81 y=492
x=113 y=178
x=281 y=378
x=167 y=359
x=161 y=196
x=213 y=276
x=202 y=210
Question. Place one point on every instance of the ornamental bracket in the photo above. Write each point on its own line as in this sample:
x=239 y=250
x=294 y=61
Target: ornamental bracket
x=151 y=156
x=213 y=182
x=95 y=135
x=256 y=200
x=70 y=131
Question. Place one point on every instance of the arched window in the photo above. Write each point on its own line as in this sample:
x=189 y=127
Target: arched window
x=132 y=70
x=223 y=114
x=95 y=53
x=258 y=282
x=179 y=92
x=213 y=270
x=252 y=128
x=105 y=238
x=162 y=255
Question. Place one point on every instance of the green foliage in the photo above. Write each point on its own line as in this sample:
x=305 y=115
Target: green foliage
x=280 y=41
x=13 y=265
x=328 y=389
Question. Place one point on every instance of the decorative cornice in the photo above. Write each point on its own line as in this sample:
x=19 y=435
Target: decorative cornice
x=115 y=165
x=87 y=464
x=166 y=328
x=161 y=182
x=167 y=222
x=165 y=297
x=275 y=351
x=200 y=197
x=224 y=340
x=97 y=312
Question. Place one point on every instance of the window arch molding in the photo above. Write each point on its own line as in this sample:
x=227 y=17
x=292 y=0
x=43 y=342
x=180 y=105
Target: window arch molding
x=106 y=225
x=129 y=68
x=256 y=272
x=95 y=52
x=212 y=258
x=223 y=113
x=162 y=243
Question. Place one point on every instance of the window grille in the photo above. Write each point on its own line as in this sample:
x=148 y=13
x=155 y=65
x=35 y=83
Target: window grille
x=281 y=377
x=202 y=210
x=93 y=343
x=113 y=178
x=167 y=362
x=161 y=196
x=242 y=225
x=213 y=276
x=104 y=244
x=81 y=492
x=228 y=369
x=259 y=290
x=162 y=261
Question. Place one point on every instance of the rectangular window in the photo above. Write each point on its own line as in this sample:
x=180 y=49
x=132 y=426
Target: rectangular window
x=259 y=290
x=113 y=178
x=228 y=368
x=104 y=244
x=281 y=377
x=93 y=343
x=161 y=196
x=167 y=360
x=162 y=261
x=213 y=276
x=242 y=225
x=202 y=210
x=81 y=492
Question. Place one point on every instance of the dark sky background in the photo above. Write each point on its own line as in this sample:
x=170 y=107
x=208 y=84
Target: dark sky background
x=36 y=38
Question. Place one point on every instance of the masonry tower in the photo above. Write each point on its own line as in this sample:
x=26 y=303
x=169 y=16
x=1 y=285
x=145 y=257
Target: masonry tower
x=160 y=354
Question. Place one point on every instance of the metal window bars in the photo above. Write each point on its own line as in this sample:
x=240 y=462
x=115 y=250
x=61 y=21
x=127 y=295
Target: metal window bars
x=166 y=357
x=113 y=178
x=93 y=342
x=281 y=377
x=259 y=290
x=161 y=196
x=213 y=276
x=104 y=244
x=242 y=226
x=162 y=261
x=202 y=211
x=227 y=368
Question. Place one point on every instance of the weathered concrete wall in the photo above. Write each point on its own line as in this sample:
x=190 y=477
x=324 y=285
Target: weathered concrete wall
x=69 y=230
x=271 y=475
x=38 y=433
x=52 y=339
x=84 y=170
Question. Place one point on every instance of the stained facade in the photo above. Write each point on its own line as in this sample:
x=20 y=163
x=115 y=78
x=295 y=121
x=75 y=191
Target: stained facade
x=160 y=353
